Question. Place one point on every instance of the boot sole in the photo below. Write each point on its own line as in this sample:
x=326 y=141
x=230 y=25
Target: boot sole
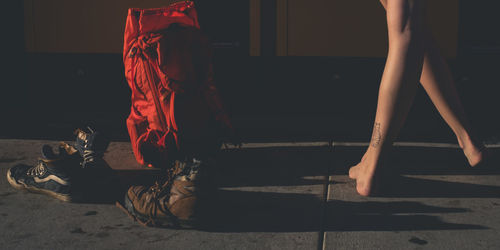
x=22 y=186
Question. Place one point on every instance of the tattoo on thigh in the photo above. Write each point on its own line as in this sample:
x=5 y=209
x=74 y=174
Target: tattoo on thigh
x=376 y=137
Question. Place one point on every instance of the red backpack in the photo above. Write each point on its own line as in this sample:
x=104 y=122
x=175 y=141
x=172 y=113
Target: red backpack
x=168 y=65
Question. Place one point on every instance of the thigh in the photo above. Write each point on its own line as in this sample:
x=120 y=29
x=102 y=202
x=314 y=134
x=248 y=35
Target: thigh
x=404 y=17
x=384 y=3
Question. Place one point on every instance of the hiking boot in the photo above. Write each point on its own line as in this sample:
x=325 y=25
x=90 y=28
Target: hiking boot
x=91 y=146
x=171 y=204
x=51 y=175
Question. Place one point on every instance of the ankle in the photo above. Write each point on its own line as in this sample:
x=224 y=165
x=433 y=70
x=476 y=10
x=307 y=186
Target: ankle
x=468 y=142
x=376 y=155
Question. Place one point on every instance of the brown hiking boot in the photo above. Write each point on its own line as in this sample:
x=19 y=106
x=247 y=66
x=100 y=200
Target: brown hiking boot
x=171 y=204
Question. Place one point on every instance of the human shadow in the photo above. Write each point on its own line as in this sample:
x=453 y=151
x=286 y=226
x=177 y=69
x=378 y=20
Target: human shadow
x=441 y=161
x=389 y=216
x=405 y=186
x=241 y=211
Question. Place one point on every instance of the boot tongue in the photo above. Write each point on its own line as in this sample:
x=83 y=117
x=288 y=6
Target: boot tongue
x=48 y=152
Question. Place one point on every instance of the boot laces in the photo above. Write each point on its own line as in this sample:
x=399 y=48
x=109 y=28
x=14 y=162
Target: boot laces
x=156 y=191
x=88 y=157
x=37 y=170
x=85 y=147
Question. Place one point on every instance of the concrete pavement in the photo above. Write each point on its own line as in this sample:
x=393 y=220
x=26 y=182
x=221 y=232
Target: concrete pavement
x=277 y=196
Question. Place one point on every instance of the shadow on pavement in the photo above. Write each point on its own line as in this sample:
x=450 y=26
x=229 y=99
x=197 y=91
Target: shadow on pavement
x=240 y=205
x=113 y=184
x=403 y=186
x=236 y=211
x=273 y=166
x=389 y=216
x=241 y=211
x=283 y=167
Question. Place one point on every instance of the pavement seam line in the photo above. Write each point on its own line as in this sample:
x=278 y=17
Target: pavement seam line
x=344 y=144
x=326 y=198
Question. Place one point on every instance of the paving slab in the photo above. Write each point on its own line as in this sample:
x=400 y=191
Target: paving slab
x=268 y=199
x=436 y=201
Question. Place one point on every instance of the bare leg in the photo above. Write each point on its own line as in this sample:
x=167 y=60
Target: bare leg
x=438 y=83
x=398 y=86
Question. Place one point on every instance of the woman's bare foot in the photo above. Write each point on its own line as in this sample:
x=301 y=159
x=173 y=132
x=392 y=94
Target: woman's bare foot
x=353 y=171
x=474 y=151
x=475 y=155
x=364 y=173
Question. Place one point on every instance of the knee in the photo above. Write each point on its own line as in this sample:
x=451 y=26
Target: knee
x=406 y=36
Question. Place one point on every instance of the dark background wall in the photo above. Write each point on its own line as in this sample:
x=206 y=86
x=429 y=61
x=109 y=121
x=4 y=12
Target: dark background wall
x=49 y=90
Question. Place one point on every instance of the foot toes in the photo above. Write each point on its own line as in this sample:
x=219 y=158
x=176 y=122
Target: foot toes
x=477 y=158
x=353 y=172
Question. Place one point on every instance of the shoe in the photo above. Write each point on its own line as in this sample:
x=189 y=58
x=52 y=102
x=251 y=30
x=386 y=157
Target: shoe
x=171 y=204
x=65 y=175
x=95 y=180
x=91 y=146
x=51 y=175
